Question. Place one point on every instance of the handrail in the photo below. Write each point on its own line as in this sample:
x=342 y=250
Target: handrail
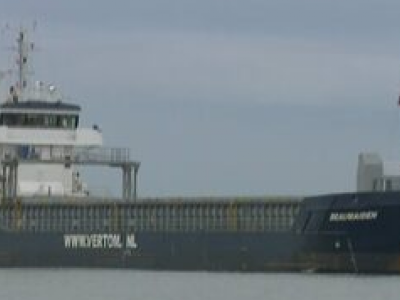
x=99 y=155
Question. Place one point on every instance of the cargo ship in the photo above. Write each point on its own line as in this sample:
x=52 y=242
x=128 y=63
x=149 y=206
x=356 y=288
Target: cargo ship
x=49 y=217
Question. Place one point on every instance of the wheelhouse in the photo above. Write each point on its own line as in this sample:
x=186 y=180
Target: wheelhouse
x=40 y=114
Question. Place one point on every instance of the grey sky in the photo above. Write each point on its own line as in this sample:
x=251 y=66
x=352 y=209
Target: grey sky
x=227 y=97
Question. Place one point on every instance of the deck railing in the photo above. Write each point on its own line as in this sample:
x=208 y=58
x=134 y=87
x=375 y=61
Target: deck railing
x=102 y=155
x=78 y=155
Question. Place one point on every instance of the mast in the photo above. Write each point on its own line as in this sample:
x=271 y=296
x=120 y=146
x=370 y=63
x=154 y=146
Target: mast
x=23 y=48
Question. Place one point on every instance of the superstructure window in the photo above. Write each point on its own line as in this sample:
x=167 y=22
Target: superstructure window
x=39 y=120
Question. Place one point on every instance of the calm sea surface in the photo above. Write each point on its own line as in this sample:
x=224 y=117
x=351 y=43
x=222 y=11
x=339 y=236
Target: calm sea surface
x=126 y=284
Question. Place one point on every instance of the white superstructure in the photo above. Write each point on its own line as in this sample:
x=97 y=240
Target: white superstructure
x=38 y=128
x=375 y=174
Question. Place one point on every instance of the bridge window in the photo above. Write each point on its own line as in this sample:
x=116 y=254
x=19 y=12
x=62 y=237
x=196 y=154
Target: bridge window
x=39 y=120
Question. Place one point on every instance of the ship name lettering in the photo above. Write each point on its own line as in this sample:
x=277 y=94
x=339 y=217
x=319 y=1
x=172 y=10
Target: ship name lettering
x=131 y=241
x=92 y=241
x=368 y=215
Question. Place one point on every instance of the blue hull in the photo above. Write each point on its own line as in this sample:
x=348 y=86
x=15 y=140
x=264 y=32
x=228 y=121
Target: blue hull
x=203 y=251
x=336 y=233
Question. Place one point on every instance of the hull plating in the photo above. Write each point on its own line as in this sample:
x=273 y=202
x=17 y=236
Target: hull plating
x=284 y=251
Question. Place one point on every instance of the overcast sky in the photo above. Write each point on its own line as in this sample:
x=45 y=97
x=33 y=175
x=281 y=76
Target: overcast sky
x=226 y=97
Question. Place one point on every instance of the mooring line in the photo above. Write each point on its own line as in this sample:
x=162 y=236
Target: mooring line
x=352 y=255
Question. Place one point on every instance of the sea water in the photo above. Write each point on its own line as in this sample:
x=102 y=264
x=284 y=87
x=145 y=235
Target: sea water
x=46 y=284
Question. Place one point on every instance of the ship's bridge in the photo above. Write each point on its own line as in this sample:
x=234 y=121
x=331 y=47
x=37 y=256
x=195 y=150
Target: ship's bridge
x=40 y=114
x=44 y=123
